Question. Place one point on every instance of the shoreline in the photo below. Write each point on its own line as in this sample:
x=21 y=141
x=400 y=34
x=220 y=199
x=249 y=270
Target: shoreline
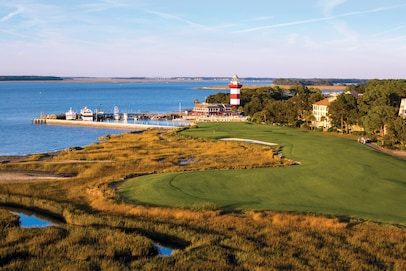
x=115 y=125
x=105 y=80
x=163 y=80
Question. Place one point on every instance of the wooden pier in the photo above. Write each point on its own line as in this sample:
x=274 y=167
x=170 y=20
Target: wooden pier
x=113 y=125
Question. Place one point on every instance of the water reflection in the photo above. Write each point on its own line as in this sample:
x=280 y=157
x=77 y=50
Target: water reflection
x=32 y=221
x=163 y=251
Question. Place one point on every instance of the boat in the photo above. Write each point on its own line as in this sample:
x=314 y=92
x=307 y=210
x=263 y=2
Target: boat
x=125 y=117
x=70 y=115
x=99 y=114
x=116 y=113
x=87 y=114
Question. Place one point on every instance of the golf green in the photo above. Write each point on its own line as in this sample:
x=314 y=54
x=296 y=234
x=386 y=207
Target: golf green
x=337 y=176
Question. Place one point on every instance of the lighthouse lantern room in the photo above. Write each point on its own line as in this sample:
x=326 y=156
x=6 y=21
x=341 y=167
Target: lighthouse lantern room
x=235 y=87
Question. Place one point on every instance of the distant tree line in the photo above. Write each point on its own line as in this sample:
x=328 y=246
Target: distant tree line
x=376 y=110
x=28 y=78
x=316 y=81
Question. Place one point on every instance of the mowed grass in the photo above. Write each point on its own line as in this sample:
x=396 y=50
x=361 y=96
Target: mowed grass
x=338 y=176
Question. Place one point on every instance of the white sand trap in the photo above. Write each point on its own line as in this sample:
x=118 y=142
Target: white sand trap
x=249 y=141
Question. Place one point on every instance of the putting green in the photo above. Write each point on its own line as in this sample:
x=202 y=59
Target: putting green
x=337 y=176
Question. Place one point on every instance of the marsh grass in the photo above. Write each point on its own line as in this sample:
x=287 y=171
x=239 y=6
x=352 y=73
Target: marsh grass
x=336 y=176
x=103 y=232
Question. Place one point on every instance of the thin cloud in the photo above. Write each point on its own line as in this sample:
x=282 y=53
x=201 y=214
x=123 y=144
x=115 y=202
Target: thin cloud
x=168 y=16
x=327 y=18
x=387 y=31
x=12 y=33
x=262 y=18
x=329 y=5
x=283 y=24
x=103 y=5
x=11 y=15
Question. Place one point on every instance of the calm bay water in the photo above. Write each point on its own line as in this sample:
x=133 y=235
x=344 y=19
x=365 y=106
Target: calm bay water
x=21 y=102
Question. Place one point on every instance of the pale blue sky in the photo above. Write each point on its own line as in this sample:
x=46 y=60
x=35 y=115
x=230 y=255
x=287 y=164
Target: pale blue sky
x=162 y=38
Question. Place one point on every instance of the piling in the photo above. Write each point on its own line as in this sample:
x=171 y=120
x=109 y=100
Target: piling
x=40 y=121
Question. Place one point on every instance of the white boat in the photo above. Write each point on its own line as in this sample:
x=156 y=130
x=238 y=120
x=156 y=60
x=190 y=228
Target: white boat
x=87 y=114
x=125 y=116
x=116 y=113
x=99 y=114
x=70 y=115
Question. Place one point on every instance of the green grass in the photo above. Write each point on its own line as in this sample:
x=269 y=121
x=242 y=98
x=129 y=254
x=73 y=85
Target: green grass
x=338 y=176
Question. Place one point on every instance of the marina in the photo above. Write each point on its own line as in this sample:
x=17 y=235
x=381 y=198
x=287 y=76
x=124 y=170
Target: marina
x=115 y=120
x=24 y=104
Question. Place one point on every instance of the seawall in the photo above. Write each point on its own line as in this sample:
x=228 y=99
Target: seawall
x=115 y=125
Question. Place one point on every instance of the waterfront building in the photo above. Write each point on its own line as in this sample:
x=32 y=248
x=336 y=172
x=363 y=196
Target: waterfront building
x=402 y=108
x=208 y=109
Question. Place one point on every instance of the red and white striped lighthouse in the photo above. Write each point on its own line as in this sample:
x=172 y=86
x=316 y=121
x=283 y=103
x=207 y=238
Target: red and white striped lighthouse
x=235 y=87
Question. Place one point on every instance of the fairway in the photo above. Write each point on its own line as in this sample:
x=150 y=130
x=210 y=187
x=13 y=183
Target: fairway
x=337 y=176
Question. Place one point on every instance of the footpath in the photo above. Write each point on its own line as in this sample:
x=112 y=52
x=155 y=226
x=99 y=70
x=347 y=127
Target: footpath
x=397 y=154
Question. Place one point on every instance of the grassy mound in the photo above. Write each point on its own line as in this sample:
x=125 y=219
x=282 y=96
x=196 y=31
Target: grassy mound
x=337 y=176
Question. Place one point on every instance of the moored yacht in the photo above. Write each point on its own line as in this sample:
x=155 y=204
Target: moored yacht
x=116 y=114
x=70 y=115
x=87 y=114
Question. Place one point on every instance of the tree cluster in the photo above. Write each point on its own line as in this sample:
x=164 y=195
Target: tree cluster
x=292 y=107
x=373 y=106
x=378 y=109
x=316 y=81
x=28 y=78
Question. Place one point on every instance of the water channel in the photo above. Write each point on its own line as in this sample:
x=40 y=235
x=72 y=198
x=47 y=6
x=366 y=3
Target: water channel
x=29 y=219
x=163 y=251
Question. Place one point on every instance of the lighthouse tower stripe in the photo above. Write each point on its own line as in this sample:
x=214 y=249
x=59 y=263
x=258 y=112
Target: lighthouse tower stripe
x=234 y=96
x=234 y=87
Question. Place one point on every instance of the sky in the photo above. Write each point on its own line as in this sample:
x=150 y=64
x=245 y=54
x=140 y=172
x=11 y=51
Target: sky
x=362 y=39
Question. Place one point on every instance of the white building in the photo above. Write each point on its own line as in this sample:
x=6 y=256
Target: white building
x=402 y=108
x=320 y=112
x=211 y=109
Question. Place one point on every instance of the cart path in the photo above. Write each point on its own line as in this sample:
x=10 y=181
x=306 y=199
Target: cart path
x=397 y=154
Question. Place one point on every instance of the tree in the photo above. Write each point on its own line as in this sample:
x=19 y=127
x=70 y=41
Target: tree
x=219 y=97
x=298 y=89
x=382 y=92
x=380 y=103
x=255 y=105
x=396 y=131
x=261 y=116
x=344 y=111
x=378 y=118
x=303 y=104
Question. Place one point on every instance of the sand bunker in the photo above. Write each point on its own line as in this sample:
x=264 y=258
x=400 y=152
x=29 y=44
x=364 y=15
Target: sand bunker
x=27 y=176
x=249 y=141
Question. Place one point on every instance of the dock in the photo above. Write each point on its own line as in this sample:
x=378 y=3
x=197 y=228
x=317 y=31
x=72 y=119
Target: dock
x=136 y=120
x=109 y=125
